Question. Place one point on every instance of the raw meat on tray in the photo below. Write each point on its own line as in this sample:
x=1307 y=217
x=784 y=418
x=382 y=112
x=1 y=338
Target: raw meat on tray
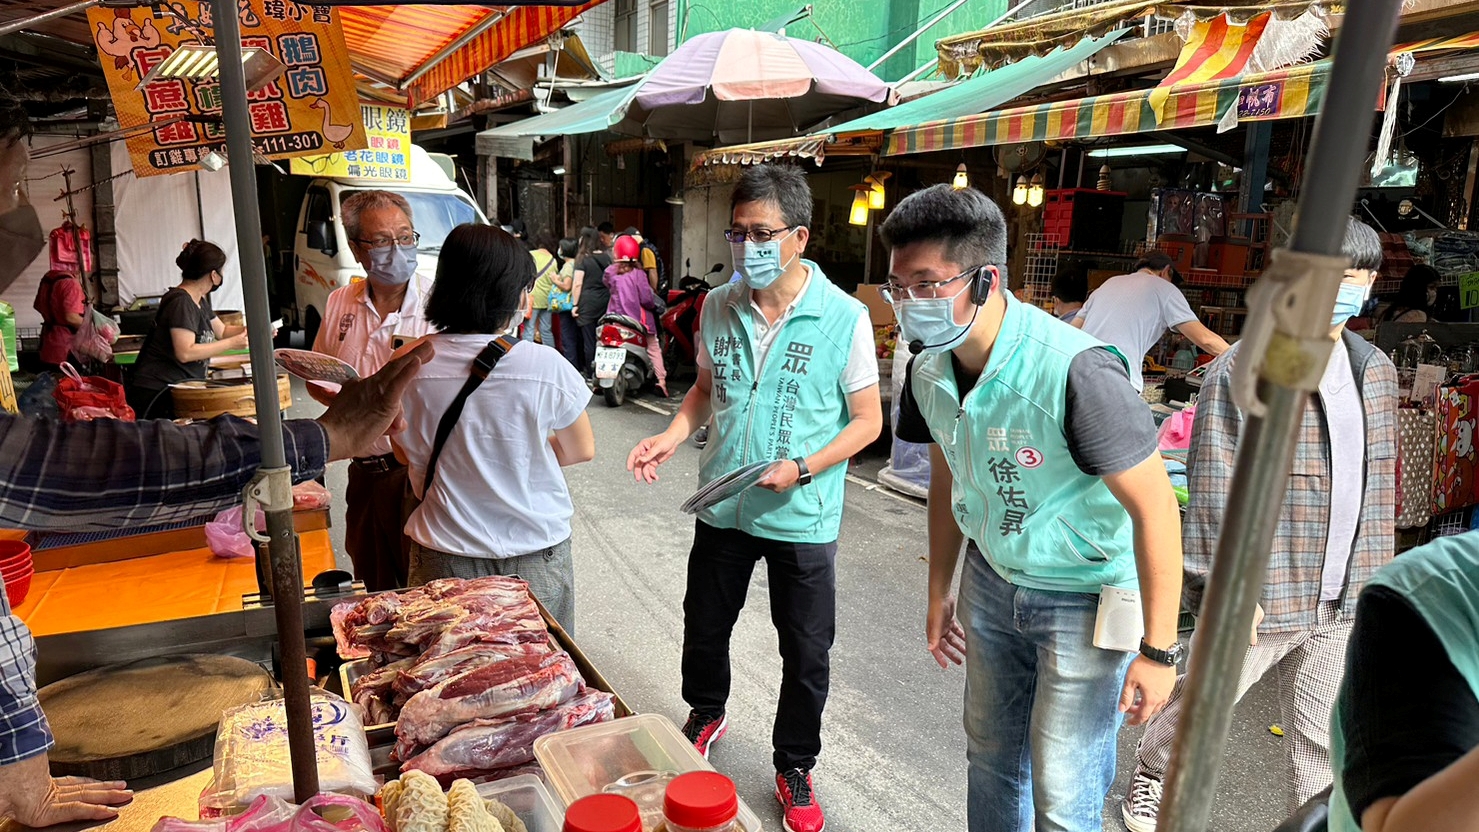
x=487 y=744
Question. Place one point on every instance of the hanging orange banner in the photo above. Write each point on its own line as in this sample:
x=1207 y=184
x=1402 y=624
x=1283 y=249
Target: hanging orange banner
x=312 y=108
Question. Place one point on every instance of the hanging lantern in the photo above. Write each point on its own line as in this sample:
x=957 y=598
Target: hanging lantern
x=1035 y=191
x=1104 y=184
x=962 y=179
x=876 y=193
x=859 y=213
x=1019 y=193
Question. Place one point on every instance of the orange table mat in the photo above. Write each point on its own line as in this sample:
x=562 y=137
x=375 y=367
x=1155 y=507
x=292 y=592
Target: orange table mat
x=145 y=590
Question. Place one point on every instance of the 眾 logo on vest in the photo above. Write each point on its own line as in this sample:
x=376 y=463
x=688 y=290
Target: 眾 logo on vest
x=1029 y=457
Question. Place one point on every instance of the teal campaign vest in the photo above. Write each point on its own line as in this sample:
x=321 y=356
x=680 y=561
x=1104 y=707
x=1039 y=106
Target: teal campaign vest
x=1440 y=581
x=1040 y=521
x=793 y=405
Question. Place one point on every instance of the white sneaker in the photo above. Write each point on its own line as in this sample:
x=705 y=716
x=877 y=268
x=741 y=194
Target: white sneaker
x=1144 y=803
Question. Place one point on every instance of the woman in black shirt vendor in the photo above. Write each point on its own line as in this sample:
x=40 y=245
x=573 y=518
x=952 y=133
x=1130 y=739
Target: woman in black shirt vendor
x=186 y=333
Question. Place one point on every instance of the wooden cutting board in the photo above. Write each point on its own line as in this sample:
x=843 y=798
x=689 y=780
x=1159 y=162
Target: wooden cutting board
x=147 y=717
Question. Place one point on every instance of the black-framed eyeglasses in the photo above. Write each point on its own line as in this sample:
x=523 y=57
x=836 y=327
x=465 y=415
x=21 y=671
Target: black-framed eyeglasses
x=923 y=290
x=756 y=235
x=409 y=239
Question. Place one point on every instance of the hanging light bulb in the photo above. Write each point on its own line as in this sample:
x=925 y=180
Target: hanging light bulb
x=876 y=193
x=1019 y=193
x=1035 y=191
x=962 y=179
x=859 y=213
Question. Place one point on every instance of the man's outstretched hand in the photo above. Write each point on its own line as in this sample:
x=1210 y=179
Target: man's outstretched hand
x=30 y=796
x=366 y=410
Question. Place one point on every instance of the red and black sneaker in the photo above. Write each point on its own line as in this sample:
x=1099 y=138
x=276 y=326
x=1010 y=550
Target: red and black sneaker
x=703 y=731
x=802 y=811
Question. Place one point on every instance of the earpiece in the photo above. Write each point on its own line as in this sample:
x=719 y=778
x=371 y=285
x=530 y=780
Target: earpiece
x=981 y=284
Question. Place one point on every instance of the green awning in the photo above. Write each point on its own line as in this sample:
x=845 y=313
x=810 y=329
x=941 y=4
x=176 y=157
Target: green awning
x=590 y=116
x=982 y=93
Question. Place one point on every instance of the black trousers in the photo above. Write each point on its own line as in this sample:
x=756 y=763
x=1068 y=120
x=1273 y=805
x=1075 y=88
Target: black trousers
x=586 y=360
x=803 y=608
x=375 y=513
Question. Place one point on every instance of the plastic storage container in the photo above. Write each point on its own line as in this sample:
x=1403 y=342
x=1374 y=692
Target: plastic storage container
x=603 y=813
x=529 y=799
x=700 y=801
x=636 y=756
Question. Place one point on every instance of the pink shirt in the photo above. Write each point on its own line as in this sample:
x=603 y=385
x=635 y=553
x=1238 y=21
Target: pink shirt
x=55 y=298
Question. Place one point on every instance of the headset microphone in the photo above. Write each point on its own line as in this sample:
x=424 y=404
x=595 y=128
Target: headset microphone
x=980 y=291
x=916 y=347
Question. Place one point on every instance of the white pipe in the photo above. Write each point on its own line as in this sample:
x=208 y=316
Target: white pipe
x=936 y=19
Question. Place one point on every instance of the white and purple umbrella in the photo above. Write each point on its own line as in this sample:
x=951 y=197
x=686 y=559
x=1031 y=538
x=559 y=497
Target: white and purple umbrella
x=744 y=86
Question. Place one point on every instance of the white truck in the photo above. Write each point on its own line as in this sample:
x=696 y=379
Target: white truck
x=318 y=259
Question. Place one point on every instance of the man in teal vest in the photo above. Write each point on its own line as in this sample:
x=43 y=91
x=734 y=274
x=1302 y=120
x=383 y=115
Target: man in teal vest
x=788 y=373
x=1405 y=732
x=1043 y=461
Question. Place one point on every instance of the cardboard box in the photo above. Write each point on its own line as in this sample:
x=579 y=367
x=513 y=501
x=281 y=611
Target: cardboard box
x=879 y=311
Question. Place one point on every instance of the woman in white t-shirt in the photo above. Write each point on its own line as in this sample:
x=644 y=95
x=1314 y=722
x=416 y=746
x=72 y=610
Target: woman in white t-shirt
x=498 y=503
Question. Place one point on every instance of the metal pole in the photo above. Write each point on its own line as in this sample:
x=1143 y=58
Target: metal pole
x=1287 y=373
x=936 y=19
x=462 y=40
x=273 y=484
x=63 y=11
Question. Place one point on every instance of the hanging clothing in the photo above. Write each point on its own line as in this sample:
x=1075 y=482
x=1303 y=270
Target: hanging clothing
x=71 y=248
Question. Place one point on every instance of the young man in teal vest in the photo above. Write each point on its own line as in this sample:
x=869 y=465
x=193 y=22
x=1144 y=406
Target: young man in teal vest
x=788 y=373
x=1043 y=462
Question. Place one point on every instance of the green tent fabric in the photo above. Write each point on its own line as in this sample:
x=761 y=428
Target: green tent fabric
x=983 y=92
x=589 y=116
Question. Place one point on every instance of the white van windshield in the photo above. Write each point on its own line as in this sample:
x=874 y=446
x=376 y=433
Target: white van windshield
x=434 y=214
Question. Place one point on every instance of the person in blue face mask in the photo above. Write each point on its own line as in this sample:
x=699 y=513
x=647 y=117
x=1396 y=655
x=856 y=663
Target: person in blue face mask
x=787 y=370
x=361 y=323
x=1335 y=530
x=1043 y=462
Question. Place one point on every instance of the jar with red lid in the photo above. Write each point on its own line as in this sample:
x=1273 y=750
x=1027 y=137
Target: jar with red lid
x=603 y=813
x=701 y=801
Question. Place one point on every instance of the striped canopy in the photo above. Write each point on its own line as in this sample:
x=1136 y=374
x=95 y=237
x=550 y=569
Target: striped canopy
x=1287 y=93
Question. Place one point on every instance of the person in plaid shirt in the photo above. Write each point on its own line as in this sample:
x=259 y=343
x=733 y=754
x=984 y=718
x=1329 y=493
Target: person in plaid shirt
x=108 y=474
x=1336 y=528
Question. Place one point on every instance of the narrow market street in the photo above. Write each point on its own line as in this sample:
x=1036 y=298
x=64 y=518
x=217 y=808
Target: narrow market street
x=894 y=754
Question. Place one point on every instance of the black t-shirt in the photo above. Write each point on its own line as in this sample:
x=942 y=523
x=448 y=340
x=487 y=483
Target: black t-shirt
x=1108 y=426
x=157 y=366
x=594 y=296
x=1408 y=712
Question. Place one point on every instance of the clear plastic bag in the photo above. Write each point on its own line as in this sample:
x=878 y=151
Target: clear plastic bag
x=310 y=495
x=94 y=339
x=251 y=758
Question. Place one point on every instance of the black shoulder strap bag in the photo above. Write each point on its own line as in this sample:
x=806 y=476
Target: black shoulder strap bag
x=481 y=367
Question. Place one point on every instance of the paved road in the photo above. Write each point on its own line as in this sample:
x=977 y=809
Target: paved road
x=894 y=749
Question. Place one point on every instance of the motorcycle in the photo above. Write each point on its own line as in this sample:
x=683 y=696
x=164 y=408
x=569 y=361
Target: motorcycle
x=679 y=324
x=622 y=364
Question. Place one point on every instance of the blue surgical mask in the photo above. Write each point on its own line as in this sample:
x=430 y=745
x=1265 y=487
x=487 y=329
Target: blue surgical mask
x=392 y=265
x=759 y=264
x=1348 y=303
x=931 y=322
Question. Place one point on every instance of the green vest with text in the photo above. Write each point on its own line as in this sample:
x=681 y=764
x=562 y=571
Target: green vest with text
x=1040 y=521
x=1441 y=582
x=792 y=405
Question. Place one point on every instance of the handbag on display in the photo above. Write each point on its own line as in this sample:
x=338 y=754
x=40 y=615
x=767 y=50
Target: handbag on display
x=1415 y=443
x=1454 y=459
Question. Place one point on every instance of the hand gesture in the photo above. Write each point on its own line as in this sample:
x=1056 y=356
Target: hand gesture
x=365 y=410
x=33 y=798
x=943 y=633
x=781 y=476
x=1147 y=687
x=650 y=453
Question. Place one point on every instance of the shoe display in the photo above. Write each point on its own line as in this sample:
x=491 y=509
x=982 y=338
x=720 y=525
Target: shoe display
x=802 y=811
x=703 y=731
x=1143 y=804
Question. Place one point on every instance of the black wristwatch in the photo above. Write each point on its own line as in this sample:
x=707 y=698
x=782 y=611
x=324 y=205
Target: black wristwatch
x=803 y=476
x=1170 y=657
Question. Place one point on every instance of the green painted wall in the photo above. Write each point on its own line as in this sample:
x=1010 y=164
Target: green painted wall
x=862 y=29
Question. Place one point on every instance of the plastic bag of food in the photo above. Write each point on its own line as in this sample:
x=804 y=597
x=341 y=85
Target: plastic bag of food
x=251 y=758
x=310 y=495
x=337 y=813
x=94 y=339
x=227 y=536
x=266 y=814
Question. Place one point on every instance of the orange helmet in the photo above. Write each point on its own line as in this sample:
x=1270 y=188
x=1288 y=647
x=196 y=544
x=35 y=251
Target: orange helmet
x=627 y=249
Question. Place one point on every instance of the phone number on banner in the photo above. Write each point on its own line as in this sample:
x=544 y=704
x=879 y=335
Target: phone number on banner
x=291 y=143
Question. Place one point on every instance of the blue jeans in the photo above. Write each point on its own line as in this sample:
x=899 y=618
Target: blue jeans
x=1041 y=705
x=544 y=321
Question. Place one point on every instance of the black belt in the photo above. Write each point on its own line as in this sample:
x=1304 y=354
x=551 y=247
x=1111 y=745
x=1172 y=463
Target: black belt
x=378 y=464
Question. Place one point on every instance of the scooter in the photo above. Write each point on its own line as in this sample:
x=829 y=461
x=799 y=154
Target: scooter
x=679 y=324
x=622 y=364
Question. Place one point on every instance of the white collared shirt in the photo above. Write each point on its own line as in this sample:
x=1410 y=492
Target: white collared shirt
x=355 y=332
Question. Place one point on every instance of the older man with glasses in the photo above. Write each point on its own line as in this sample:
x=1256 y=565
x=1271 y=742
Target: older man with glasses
x=360 y=327
x=786 y=368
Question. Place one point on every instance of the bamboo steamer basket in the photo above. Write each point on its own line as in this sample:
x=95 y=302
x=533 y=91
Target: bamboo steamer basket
x=207 y=400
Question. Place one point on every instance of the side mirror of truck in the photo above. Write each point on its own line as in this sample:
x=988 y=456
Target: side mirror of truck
x=319 y=238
